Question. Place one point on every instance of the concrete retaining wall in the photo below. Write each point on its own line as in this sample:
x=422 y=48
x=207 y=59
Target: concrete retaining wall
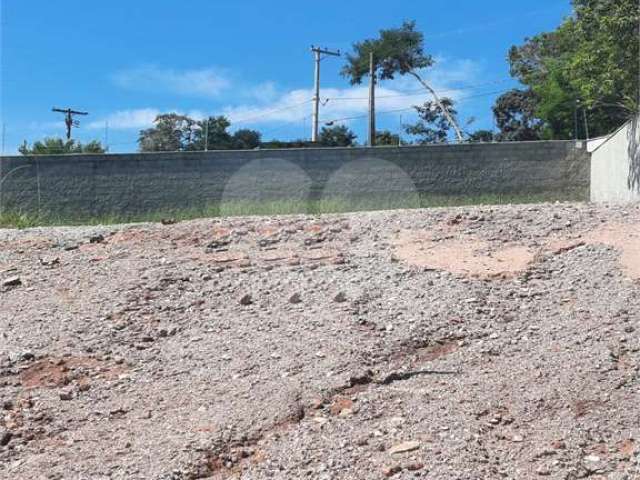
x=138 y=183
x=615 y=166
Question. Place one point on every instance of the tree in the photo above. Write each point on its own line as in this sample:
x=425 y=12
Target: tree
x=272 y=144
x=171 y=133
x=482 y=136
x=215 y=130
x=514 y=112
x=282 y=144
x=246 y=139
x=385 y=137
x=605 y=64
x=590 y=63
x=58 y=146
x=398 y=51
x=337 y=136
x=434 y=124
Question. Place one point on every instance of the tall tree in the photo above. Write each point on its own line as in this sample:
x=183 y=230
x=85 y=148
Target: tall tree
x=214 y=129
x=482 y=136
x=590 y=63
x=434 y=124
x=171 y=133
x=387 y=138
x=514 y=112
x=246 y=139
x=58 y=146
x=605 y=64
x=337 y=136
x=397 y=51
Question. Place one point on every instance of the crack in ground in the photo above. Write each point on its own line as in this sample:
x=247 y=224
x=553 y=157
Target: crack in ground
x=233 y=457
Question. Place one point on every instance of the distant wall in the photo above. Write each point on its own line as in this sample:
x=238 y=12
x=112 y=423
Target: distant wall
x=137 y=183
x=615 y=166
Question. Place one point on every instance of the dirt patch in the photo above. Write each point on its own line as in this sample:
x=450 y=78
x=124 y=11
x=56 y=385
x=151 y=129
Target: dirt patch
x=626 y=239
x=341 y=405
x=436 y=351
x=467 y=257
x=627 y=447
x=53 y=373
x=475 y=257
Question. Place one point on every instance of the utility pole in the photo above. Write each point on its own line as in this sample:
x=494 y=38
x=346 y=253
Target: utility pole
x=206 y=135
x=586 y=123
x=106 y=135
x=68 y=118
x=318 y=52
x=372 y=101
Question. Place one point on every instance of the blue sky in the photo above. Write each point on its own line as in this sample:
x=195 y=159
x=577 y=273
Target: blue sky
x=125 y=61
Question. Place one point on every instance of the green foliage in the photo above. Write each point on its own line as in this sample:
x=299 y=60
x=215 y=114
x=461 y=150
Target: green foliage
x=433 y=126
x=272 y=144
x=211 y=133
x=337 y=136
x=589 y=62
x=386 y=138
x=396 y=51
x=605 y=64
x=280 y=207
x=58 y=146
x=514 y=112
x=246 y=139
x=173 y=133
x=482 y=136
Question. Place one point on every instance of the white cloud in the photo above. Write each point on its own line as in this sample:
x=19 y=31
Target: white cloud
x=127 y=119
x=449 y=78
x=341 y=103
x=139 y=118
x=206 y=82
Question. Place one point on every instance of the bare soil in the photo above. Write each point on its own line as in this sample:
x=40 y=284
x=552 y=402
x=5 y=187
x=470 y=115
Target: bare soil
x=467 y=343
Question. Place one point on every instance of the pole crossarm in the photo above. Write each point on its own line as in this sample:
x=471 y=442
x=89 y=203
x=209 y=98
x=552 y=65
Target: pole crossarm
x=68 y=118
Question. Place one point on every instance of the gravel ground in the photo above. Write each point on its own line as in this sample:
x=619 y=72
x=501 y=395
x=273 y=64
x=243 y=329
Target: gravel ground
x=469 y=343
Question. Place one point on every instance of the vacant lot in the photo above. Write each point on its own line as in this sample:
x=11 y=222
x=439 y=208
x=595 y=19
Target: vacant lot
x=467 y=343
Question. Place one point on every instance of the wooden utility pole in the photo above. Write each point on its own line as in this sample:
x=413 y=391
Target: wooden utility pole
x=372 y=101
x=318 y=52
x=68 y=118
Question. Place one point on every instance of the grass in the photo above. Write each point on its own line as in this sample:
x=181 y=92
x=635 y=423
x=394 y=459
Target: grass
x=18 y=219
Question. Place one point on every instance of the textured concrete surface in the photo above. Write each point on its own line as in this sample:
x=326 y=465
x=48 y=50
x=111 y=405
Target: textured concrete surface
x=615 y=166
x=140 y=183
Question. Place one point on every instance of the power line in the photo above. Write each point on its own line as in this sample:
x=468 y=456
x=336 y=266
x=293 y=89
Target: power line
x=421 y=91
x=269 y=112
x=287 y=124
x=486 y=94
x=410 y=93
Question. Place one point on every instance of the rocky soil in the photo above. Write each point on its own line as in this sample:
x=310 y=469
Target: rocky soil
x=471 y=343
